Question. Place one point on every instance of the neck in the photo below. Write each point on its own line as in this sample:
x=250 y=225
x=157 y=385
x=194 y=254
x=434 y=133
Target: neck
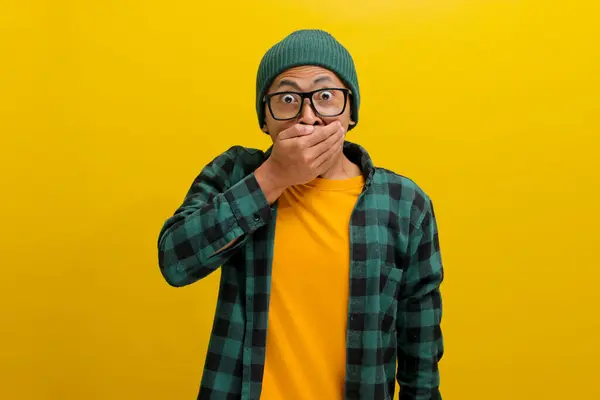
x=342 y=168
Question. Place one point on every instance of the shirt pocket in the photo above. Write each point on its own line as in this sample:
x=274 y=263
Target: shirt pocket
x=389 y=286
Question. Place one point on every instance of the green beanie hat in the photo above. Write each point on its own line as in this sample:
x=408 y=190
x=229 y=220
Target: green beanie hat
x=307 y=47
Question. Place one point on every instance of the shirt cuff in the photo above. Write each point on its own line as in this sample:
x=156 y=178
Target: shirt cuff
x=249 y=204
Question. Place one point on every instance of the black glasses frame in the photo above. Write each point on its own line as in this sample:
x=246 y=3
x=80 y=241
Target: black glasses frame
x=309 y=96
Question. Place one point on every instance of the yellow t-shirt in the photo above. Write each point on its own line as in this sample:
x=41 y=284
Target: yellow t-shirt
x=306 y=334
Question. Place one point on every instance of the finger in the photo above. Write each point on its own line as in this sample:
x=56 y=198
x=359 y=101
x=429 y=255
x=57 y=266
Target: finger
x=322 y=133
x=326 y=160
x=327 y=143
x=296 y=131
x=328 y=147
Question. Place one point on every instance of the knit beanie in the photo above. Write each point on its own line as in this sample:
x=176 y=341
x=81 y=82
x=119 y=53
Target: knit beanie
x=307 y=47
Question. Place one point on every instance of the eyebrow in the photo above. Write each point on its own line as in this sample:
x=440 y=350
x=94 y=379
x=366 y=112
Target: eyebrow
x=287 y=82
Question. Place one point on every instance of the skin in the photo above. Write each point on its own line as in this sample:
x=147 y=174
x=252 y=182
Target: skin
x=304 y=79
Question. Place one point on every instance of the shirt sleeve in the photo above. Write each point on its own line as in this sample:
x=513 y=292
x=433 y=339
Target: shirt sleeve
x=420 y=343
x=216 y=211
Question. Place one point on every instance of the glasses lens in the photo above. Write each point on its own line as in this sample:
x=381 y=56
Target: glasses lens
x=285 y=105
x=329 y=102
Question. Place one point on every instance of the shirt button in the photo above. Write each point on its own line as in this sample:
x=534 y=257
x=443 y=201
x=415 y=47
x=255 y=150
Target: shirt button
x=257 y=217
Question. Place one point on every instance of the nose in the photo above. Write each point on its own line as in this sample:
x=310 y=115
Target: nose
x=308 y=116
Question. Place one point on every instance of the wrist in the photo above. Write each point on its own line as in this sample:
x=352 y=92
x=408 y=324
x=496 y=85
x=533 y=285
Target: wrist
x=270 y=180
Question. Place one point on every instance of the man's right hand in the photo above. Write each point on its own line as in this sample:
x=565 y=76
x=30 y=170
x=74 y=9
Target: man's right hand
x=300 y=154
x=303 y=152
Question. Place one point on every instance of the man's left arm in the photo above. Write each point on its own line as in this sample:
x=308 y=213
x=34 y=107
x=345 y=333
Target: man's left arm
x=420 y=343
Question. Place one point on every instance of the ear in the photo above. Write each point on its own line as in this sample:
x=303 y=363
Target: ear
x=264 y=128
x=352 y=122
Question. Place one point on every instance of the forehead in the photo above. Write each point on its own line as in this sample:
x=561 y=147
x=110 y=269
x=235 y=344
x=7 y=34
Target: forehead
x=306 y=75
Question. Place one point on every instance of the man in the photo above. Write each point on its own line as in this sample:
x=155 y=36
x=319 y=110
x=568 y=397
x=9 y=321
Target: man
x=330 y=266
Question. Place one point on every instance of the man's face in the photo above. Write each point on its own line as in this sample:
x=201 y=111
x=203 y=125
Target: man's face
x=305 y=79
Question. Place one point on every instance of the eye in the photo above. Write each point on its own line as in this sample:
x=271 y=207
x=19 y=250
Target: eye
x=326 y=95
x=287 y=98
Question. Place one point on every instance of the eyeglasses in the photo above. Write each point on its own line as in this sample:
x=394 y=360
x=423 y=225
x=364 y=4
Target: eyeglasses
x=327 y=102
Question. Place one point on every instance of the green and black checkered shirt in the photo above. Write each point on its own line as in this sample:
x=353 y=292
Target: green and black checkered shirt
x=395 y=304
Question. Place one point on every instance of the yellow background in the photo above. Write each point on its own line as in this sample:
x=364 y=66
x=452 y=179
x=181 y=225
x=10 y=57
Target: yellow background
x=109 y=109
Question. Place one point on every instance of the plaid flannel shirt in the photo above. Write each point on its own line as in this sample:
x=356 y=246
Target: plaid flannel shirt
x=394 y=310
